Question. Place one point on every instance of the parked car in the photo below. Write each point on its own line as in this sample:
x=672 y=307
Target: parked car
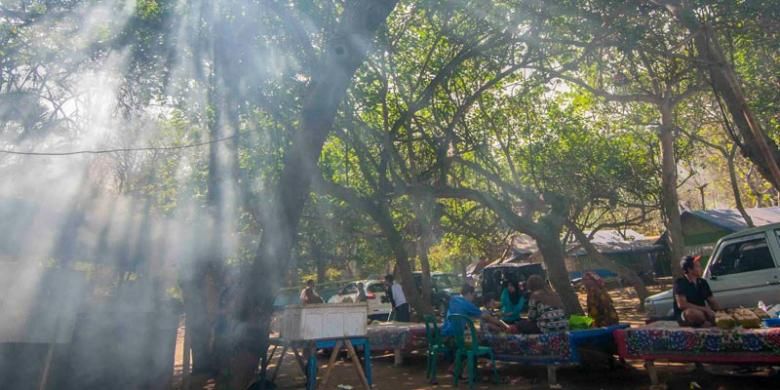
x=744 y=269
x=443 y=286
x=287 y=296
x=493 y=275
x=292 y=295
x=378 y=306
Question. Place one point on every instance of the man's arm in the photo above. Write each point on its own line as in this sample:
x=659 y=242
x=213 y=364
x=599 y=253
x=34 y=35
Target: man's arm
x=506 y=306
x=683 y=304
x=713 y=303
x=489 y=318
x=473 y=311
x=710 y=297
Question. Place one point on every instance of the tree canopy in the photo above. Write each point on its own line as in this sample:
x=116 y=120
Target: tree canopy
x=347 y=140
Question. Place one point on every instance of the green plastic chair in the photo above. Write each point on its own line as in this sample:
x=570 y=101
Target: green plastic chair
x=470 y=352
x=435 y=346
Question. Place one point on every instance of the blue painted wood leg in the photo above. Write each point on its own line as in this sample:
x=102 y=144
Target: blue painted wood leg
x=311 y=380
x=367 y=363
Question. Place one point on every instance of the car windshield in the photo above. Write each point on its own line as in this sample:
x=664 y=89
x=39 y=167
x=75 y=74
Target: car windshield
x=376 y=288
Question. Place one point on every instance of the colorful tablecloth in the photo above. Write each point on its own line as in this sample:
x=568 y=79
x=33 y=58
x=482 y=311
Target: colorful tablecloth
x=668 y=341
x=550 y=348
x=385 y=336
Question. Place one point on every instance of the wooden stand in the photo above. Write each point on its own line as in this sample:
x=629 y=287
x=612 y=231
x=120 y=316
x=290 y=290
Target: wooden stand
x=310 y=348
x=333 y=355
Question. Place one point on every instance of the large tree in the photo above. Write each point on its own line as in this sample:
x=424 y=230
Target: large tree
x=701 y=19
x=345 y=49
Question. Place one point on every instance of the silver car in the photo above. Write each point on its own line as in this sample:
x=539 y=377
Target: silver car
x=743 y=270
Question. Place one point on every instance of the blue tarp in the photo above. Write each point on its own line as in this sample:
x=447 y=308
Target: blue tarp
x=576 y=276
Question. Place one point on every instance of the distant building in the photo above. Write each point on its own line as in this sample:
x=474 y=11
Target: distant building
x=703 y=228
x=626 y=247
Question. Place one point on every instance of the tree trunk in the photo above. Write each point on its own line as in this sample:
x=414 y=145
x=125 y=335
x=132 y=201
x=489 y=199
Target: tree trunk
x=546 y=232
x=197 y=324
x=203 y=290
x=603 y=261
x=382 y=217
x=427 y=216
x=735 y=186
x=425 y=267
x=756 y=145
x=671 y=208
x=319 y=260
x=757 y=193
x=554 y=258
x=343 y=53
x=379 y=211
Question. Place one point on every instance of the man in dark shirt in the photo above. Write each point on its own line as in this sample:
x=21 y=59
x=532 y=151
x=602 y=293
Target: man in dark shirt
x=694 y=304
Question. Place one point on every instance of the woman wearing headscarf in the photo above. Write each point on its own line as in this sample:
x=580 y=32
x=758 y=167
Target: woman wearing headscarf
x=512 y=302
x=600 y=306
x=545 y=307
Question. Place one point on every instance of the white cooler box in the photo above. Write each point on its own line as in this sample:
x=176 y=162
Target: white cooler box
x=325 y=321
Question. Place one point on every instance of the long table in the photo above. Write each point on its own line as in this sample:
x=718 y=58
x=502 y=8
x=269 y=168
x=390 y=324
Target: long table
x=550 y=349
x=558 y=348
x=667 y=341
x=398 y=337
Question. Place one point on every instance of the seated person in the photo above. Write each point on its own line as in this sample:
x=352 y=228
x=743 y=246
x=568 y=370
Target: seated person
x=309 y=296
x=692 y=296
x=545 y=307
x=491 y=307
x=512 y=302
x=464 y=304
x=491 y=304
x=600 y=306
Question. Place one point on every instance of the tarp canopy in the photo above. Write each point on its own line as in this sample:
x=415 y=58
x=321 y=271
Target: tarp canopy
x=707 y=226
x=606 y=242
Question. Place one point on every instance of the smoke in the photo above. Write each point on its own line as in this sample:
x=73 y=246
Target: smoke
x=113 y=235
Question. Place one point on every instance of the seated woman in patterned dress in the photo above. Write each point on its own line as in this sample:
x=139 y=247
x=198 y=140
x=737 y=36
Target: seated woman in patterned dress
x=545 y=307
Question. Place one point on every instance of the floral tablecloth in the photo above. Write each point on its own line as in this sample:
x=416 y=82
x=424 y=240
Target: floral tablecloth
x=668 y=341
x=549 y=348
x=385 y=336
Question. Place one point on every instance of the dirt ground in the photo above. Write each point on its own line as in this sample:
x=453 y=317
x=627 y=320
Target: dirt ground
x=411 y=375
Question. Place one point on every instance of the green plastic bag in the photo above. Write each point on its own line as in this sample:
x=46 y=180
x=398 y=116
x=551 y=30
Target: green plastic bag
x=580 y=322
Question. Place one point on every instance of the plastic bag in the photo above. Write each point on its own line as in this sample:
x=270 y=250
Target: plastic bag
x=580 y=322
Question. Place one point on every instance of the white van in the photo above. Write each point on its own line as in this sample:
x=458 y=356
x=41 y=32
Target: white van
x=744 y=269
